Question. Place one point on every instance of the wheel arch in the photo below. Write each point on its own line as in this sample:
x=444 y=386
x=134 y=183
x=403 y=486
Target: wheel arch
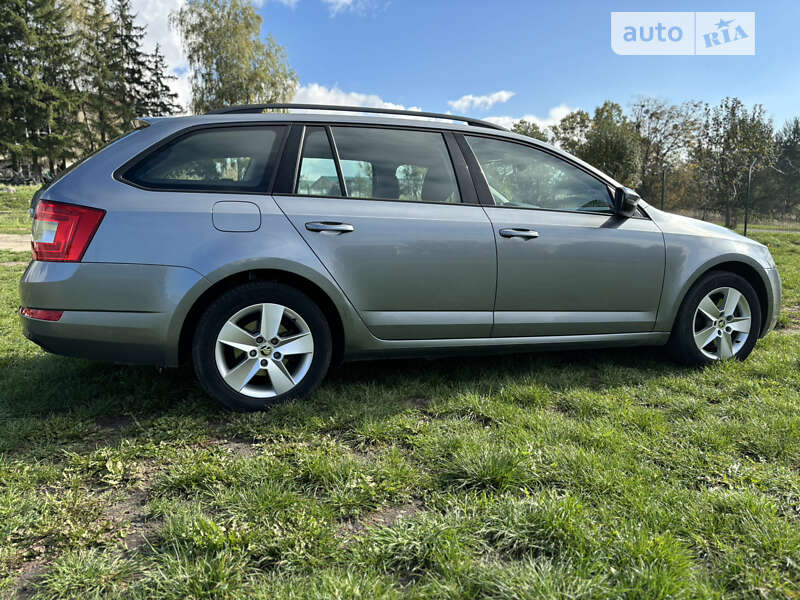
x=308 y=287
x=743 y=269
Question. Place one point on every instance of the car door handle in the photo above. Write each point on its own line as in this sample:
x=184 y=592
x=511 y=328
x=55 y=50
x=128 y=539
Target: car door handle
x=519 y=232
x=331 y=226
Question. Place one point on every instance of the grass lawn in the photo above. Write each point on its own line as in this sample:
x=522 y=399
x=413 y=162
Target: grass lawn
x=597 y=474
x=14 y=209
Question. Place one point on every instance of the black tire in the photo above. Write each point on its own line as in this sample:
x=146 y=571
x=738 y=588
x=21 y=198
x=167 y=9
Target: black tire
x=236 y=299
x=681 y=345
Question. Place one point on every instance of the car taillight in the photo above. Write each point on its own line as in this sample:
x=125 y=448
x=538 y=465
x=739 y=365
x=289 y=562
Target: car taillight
x=62 y=232
x=41 y=314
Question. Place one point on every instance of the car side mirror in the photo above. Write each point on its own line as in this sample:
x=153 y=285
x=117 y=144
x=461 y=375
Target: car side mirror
x=625 y=201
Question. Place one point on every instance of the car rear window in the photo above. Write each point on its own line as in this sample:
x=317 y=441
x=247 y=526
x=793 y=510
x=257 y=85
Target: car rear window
x=218 y=159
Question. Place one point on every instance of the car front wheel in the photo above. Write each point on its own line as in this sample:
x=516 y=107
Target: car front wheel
x=720 y=318
x=259 y=344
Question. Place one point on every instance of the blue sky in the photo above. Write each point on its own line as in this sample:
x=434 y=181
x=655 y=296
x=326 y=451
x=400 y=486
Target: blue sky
x=552 y=55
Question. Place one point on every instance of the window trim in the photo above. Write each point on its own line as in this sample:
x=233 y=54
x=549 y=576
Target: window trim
x=465 y=187
x=289 y=161
x=334 y=155
x=263 y=187
x=482 y=183
x=336 y=161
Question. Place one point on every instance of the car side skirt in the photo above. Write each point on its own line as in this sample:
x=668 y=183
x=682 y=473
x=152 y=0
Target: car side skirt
x=400 y=348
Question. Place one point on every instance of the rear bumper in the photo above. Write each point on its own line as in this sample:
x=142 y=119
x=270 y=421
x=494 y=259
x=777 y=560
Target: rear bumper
x=113 y=336
x=114 y=312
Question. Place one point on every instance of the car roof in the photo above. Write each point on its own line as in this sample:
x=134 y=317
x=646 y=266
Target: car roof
x=332 y=117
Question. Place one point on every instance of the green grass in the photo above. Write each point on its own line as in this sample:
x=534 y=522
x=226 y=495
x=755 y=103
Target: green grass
x=595 y=474
x=9 y=256
x=14 y=209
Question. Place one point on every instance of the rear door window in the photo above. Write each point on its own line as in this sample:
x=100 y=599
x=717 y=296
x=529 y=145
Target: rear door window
x=217 y=159
x=395 y=164
x=318 y=174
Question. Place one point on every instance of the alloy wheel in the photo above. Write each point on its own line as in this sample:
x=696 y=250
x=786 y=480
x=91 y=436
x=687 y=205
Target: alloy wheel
x=264 y=350
x=722 y=323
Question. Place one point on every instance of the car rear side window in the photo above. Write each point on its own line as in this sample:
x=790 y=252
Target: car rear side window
x=395 y=164
x=217 y=159
x=524 y=177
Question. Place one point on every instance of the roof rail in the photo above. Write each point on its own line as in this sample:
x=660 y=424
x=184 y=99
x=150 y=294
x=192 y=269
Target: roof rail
x=258 y=108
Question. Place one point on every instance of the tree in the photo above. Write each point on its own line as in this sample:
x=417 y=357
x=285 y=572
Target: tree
x=100 y=108
x=788 y=145
x=128 y=66
x=530 y=129
x=731 y=142
x=229 y=62
x=665 y=136
x=572 y=131
x=72 y=77
x=36 y=95
x=608 y=140
x=16 y=83
x=159 y=98
x=775 y=191
x=58 y=71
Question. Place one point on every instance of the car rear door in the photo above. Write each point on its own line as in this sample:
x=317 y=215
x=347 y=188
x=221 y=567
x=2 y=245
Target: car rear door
x=566 y=263
x=397 y=225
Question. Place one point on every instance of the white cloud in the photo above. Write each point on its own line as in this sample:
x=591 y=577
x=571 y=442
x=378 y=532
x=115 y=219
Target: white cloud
x=337 y=6
x=314 y=93
x=554 y=115
x=154 y=14
x=358 y=6
x=465 y=103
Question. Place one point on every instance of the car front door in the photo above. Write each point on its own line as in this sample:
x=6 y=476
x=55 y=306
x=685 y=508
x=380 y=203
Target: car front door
x=383 y=210
x=567 y=264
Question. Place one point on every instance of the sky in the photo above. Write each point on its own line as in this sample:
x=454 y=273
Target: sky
x=504 y=60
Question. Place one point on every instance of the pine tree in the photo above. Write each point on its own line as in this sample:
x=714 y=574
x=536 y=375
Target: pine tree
x=160 y=99
x=37 y=98
x=129 y=65
x=16 y=85
x=99 y=111
x=58 y=128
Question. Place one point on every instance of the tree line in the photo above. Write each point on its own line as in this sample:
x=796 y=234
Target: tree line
x=698 y=157
x=73 y=76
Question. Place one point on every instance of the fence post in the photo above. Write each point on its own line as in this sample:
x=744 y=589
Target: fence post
x=663 y=186
x=747 y=202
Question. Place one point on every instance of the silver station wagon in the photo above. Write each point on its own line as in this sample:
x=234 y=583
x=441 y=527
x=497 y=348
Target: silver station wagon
x=265 y=247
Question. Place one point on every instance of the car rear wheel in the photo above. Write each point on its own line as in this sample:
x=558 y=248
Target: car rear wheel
x=720 y=319
x=259 y=344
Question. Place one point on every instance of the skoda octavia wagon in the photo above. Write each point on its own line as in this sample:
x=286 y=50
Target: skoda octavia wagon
x=266 y=247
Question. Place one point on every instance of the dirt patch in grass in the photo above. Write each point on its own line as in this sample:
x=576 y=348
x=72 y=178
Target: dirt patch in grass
x=15 y=242
x=420 y=402
x=238 y=447
x=115 y=422
x=382 y=518
x=27 y=579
